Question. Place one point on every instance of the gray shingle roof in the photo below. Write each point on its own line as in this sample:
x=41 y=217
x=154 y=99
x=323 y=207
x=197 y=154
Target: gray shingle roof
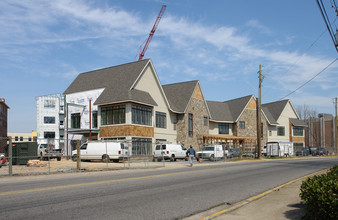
x=274 y=109
x=179 y=94
x=268 y=115
x=228 y=111
x=219 y=111
x=297 y=122
x=116 y=81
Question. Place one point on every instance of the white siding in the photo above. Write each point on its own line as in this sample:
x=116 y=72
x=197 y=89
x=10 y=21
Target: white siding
x=287 y=113
x=148 y=82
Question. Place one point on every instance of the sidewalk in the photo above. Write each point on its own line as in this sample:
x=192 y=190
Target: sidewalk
x=282 y=202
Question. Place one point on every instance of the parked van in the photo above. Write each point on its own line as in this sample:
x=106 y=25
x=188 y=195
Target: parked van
x=211 y=152
x=169 y=151
x=104 y=151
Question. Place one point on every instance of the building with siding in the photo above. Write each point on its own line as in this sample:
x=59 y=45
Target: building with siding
x=24 y=137
x=50 y=119
x=284 y=124
x=128 y=103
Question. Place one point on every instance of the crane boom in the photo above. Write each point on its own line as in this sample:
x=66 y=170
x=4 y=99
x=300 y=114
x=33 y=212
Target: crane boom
x=152 y=32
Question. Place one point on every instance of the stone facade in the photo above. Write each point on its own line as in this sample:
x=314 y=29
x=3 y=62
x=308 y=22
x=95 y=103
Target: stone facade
x=198 y=109
x=249 y=116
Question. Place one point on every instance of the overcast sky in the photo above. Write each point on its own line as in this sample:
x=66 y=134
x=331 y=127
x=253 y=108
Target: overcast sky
x=44 y=45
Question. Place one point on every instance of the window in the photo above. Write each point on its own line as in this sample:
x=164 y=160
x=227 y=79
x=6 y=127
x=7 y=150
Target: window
x=29 y=138
x=49 y=134
x=141 y=115
x=141 y=146
x=94 y=119
x=49 y=120
x=16 y=138
x=83 y=147
x=281 y=131
x=223 y=128
x=241 y=124
x=49 y=103
x=190 y=124
x=161 y=120
x=298 y=131
x=205 y=121
x=113 y=115
x=75 y=120
x=35 y=138
x=21 y=138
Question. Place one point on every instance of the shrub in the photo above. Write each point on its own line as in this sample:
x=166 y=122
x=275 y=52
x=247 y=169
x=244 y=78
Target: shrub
x=320 y=195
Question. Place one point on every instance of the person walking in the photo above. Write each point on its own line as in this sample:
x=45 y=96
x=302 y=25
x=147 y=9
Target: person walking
x=191 y=153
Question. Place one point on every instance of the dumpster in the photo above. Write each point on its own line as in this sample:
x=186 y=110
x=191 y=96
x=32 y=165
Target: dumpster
x=22 y=152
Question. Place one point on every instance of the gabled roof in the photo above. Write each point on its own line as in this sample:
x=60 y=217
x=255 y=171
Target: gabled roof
x=219 y=111
x=179 y=94
x=116 y=82
x=228 y=111
x=273 y=110
x=268 y=115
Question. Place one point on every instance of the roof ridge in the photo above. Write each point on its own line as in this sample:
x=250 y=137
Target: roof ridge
x=238 y=98
x=123 y=64
x=181 y=82
x=280 y=101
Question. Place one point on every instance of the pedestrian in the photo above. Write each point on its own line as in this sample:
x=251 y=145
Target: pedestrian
x=191 y=153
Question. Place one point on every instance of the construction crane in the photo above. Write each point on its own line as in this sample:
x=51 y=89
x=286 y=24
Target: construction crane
x=152 y=32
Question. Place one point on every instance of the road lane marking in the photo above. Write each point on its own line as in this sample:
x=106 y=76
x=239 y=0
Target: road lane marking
x=100 y=182
x=240 y=204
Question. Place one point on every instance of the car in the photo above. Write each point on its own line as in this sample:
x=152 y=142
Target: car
x=303 y=152
x=169 y=151
x=3 y=160
x=234 y=152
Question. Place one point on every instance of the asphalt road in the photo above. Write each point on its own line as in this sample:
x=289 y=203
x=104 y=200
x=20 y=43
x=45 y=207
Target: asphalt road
x=146 y=194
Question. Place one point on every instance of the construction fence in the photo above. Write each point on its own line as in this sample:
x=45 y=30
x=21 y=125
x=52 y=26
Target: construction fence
x=30 y=158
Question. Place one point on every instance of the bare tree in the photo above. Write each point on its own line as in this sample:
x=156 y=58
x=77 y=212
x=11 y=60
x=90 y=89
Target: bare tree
x=305 y=112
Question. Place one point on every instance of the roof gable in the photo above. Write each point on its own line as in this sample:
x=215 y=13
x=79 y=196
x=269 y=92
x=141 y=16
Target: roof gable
x=237 y=106
x=179 y=94
x=116 y=82
x=229 y=111
x=275 y=109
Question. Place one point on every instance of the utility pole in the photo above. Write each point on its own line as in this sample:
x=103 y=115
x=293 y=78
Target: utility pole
x=259 y=126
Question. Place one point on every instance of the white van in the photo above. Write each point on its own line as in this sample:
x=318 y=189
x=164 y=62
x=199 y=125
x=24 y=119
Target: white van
x=211 y=152
x=169 y=151
x=104 y=151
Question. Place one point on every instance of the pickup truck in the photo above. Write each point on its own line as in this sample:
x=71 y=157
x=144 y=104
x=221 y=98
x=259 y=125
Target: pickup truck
x=211 y=152
x=47 y=152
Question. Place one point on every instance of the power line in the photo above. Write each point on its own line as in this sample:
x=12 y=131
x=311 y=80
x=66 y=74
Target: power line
x=310 y=79
x=327 y=22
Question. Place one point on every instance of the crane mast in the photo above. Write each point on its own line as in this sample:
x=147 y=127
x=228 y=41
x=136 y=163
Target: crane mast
x=152 y=32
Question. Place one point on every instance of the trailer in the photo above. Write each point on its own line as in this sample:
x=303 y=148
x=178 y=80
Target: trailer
x=279 y=149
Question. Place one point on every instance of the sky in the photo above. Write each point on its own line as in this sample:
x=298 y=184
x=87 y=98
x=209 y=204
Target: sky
x=45 y=44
